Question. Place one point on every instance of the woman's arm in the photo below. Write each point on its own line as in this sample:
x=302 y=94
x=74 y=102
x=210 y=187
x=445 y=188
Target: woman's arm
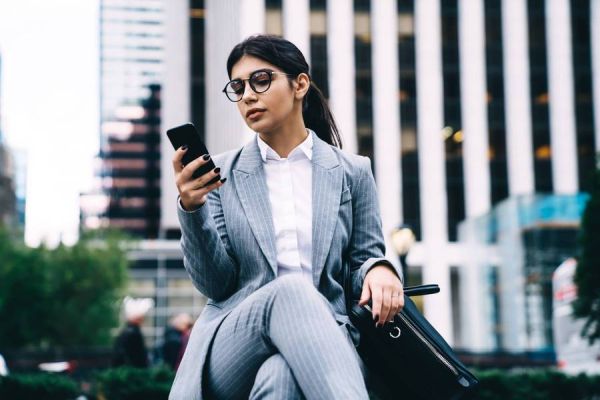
x=206 y=249
x=204 y=239
x=367 y=246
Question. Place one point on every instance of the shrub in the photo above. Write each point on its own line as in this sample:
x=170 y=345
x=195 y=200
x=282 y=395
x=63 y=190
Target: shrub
x=127 y=383
x=38 y=386
x=535 y=385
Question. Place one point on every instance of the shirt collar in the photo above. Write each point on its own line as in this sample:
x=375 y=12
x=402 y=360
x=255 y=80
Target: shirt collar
x=306 y=148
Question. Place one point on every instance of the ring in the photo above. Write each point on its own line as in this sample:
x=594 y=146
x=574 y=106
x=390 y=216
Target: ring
x=396 y=295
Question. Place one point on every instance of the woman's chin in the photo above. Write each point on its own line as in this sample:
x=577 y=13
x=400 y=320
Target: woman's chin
x=258 y=126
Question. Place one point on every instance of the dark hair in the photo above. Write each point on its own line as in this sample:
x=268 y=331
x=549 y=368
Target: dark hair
x=286 y=56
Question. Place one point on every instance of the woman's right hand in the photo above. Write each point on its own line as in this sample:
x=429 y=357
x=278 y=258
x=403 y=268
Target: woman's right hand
x=192 y=192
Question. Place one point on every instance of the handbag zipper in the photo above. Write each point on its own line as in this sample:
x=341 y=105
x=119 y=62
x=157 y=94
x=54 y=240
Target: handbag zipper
x=431 y=348
x=429 y=345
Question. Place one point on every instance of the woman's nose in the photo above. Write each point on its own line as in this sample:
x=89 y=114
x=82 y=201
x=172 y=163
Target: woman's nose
x=248 y=94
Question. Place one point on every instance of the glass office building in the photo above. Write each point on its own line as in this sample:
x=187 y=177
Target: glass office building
x=472 y=113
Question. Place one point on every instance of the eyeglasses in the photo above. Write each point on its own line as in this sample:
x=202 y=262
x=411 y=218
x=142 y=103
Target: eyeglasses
x=260 y=82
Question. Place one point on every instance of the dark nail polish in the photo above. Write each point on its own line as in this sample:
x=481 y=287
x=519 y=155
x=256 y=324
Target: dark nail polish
x=206 y=157
x=184 y=147
x=217 y=170
x=223 y=180
x=375 y=317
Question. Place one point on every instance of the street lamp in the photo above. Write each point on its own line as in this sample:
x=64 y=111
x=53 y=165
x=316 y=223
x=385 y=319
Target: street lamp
x=403 y=238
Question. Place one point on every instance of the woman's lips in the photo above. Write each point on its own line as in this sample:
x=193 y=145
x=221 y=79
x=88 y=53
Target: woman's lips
x=254 y=114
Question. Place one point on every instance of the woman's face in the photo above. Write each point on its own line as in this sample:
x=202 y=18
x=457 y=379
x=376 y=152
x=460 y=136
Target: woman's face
x=264 y=112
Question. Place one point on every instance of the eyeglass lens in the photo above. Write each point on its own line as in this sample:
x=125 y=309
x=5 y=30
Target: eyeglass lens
x=260 y=81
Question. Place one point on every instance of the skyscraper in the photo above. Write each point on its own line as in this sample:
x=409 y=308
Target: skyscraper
x=128 y=173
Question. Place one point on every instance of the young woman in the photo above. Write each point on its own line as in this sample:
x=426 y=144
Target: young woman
x=268 y=244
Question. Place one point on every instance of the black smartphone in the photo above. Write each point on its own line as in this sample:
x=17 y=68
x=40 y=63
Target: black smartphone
x=187 y=134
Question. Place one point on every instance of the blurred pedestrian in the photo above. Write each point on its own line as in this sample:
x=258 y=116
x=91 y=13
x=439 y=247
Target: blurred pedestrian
x=185 y=338
x=179 y=325
x=129 y=348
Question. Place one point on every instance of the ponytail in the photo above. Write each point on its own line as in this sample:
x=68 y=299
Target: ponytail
x=286 y=56
x=318 y=117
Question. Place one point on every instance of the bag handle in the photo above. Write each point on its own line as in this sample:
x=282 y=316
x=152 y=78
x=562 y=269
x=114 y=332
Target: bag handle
x=421 y=290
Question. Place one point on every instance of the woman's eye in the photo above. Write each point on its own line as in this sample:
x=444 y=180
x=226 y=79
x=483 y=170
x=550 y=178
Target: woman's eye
x=237 y=87
x=261 y=77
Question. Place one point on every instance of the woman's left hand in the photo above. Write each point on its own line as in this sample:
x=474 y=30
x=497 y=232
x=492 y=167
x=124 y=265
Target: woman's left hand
x=383 y=286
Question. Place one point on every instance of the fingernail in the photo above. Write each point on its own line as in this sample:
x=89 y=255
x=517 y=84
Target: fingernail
x=184 y=147
x=206 y=157
x=217 y=170
x=223 y=180
x=375 y=317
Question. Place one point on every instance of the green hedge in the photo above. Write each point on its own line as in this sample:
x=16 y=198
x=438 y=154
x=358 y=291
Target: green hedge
x=535 y=385
x=154 y=384
x=38 y=386
x=127 y=383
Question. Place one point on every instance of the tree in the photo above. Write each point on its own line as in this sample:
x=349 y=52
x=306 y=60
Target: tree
x=68 y=296
x=587 y=274
x=23 y=293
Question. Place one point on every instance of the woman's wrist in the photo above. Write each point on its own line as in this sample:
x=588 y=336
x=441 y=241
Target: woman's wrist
x=189 y=208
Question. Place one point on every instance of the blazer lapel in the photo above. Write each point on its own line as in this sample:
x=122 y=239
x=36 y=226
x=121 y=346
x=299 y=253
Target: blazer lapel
x=251 y=187
x=326 y=191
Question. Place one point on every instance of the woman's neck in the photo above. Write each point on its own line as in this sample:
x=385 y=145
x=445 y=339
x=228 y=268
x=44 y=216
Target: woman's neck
x=285 y=138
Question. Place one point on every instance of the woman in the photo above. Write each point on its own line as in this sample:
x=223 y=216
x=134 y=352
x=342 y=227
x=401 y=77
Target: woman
x=268 y=244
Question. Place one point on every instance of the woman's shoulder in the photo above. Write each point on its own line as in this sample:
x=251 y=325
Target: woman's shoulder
x=353 y=164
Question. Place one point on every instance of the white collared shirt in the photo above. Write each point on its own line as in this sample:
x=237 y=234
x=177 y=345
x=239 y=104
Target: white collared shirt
x=289 y=181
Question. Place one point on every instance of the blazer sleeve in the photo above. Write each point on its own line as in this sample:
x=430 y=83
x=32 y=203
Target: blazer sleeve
x=367 y=246
x=207 y=253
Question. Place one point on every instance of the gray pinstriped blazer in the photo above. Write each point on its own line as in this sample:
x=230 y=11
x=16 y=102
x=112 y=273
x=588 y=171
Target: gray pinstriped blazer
x=229 y=243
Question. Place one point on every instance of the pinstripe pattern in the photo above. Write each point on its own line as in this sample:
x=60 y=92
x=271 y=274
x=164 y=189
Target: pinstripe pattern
x=229 y=244
x=275 y=380
x=273 y=321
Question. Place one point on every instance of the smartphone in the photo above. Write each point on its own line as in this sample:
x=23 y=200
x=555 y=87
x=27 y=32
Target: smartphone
x=187 y=134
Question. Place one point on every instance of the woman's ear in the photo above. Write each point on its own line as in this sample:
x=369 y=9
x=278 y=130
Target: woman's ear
x=302 y=86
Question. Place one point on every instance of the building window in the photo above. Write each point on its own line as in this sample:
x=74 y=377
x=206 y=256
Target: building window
x=318 y=45
x=582 y=69
x=452 y=132
x=198 y=92
x=411 y=201
x=538 y=71
x=274 y=17
x=363 y=81
x=495 y=101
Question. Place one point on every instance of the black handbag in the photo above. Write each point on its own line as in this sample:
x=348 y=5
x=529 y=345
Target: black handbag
x=408 y=358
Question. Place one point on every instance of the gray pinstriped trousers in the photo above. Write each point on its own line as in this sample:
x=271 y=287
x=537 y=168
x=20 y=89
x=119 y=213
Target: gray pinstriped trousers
x=282 y=342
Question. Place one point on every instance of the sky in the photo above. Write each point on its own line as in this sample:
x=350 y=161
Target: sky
x=49 y=107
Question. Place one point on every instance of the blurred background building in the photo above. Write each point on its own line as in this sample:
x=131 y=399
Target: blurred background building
x=126 y=193
x=481 y=118
x=9 y=217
